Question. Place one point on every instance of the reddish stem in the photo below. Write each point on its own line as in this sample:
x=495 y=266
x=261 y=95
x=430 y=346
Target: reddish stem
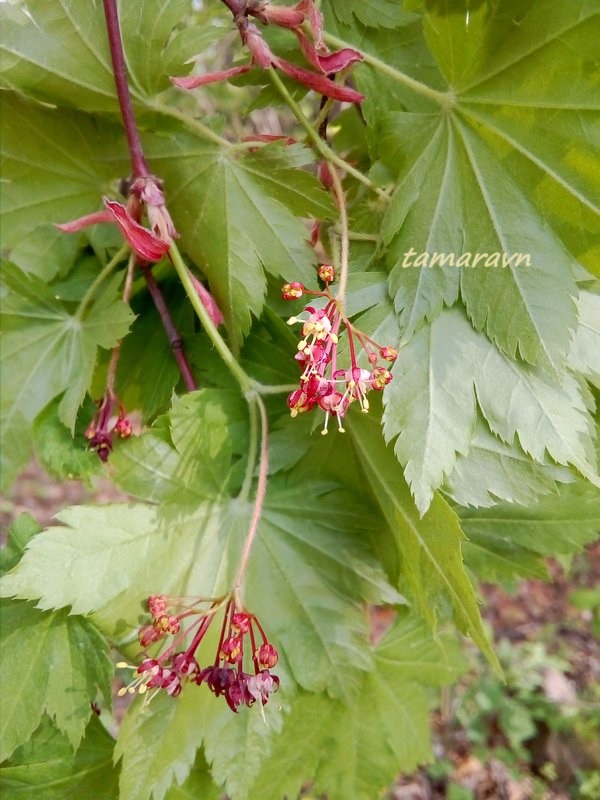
x=335 y=331
x=223 y=628
x=199 y=636
x=260 y=629
x=138 y=161
x=253 y=645
x=351 y=346
x=175 y=340
x=237 y=7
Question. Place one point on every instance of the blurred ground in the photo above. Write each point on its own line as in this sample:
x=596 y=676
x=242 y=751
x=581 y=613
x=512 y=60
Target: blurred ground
x=477 y=759
x=36 y=493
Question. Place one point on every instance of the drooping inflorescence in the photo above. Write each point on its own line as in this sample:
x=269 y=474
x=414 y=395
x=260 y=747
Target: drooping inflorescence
x=101 y=430
x=240 y=670
x=322 y=382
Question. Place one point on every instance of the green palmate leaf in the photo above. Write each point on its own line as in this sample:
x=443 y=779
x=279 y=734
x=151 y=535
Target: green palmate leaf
x=46 y=767
x=431 y=405
x=60 y=53
x=199 y=783
x=57 y=53
x=197 y=555
x=147 y=372
x=384 y=728
x=429 y=548
x=584 y=355
x=20 y=532
x=483 y=168
x=373 y=13
x=57 y=166
x=44 y=251
x=194 y=464
x=61 y=455
x=495 y=559
x=493 y=470
x=239 y=217
x=147 y=28
x=190 y=545
x=558 y=524
x=54 y=663
x=158 y=743
x=49 y=351
x=158 y=747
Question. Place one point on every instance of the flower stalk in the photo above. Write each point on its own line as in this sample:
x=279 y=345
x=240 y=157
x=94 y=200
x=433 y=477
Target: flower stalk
x=261 y=488
x=240 y=670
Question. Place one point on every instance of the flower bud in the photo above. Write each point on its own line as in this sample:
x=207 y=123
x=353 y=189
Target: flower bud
x=326 y=273
x=157 y=604
x=285 y=17
x=168 y=624
x=324 y=175
x=240 y=622
x=123 y=427
x=262 y=54
x=388 y=354
x=267 y=656
x=148 y=635
x=380 y=377
x=292 y=291
x=231 y=650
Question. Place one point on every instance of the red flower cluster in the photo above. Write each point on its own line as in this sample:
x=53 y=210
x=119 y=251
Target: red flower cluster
x=322 y=382
x=101 y=430
x=324 y=63
x=225 y=676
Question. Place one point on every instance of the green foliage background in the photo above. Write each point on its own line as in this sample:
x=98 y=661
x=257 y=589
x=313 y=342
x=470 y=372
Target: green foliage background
x=481 y=123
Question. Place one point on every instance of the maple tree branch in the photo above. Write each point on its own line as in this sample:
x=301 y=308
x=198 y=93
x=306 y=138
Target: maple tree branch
x=140 y=169
x=237 y=7
x=138 y=160
x=173 y=335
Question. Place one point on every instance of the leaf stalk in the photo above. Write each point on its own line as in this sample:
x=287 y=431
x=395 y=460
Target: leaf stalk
x=444 y=99
x=98 y=281
x=321 y=146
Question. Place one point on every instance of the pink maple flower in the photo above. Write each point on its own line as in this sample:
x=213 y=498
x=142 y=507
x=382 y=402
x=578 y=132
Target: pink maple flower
x=322 y=383
x=238 y=649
